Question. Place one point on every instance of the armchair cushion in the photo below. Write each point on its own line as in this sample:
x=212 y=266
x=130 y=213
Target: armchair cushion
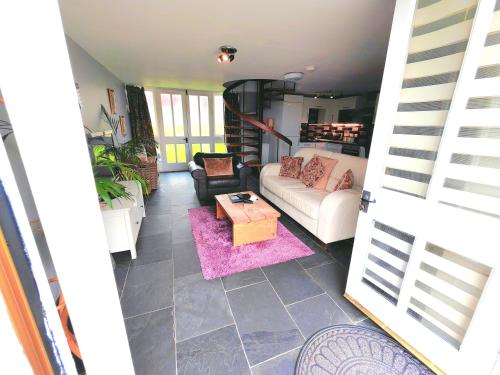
x=219 y=166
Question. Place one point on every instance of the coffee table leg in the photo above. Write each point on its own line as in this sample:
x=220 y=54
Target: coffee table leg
x=219 y=211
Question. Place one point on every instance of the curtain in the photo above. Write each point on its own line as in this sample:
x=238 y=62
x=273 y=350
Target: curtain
x=140 y=120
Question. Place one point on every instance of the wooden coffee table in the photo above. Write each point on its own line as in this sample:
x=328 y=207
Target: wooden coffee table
x=251 y=222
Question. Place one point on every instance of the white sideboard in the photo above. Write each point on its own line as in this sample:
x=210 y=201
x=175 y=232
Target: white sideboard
x=123 y=221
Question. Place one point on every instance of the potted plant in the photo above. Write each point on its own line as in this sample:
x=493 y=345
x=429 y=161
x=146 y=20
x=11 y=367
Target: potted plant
x=108 y=186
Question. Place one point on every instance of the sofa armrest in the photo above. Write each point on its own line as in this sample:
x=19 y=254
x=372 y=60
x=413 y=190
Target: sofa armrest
x=197 y=172
x=338 y=215
x=270 y=169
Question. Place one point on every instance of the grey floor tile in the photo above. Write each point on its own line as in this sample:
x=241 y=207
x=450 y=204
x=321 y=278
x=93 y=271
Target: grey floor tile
x=148 y=287
x=186 y=259
x=332 y=278
x=341 y=251
x=181 y=231
x=151 y=339
x=316 y=313
x=155 y=224
x=153 y=248
x=291 y=282
x=265 y=327
x=120 y=275
x=282 y=365
x=215 y=353
x=122 y=257
x=243 y=279
x=200 y=306
x=317 y=259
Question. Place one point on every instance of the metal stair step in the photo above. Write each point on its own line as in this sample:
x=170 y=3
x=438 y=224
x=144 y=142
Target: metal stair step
x=229 y=145
x=256 y=163
x=241 y=128
x=246 y=153
x=242 y=136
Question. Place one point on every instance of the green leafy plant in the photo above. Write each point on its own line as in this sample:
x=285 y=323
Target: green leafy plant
x=108 y=188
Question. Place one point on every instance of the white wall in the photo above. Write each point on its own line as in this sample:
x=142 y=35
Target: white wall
x=93 y=80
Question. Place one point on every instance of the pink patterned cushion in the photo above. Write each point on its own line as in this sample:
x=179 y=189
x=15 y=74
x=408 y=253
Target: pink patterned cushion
x=290 y=166
x=345 y=182
x=312 y=172
x=329 y=164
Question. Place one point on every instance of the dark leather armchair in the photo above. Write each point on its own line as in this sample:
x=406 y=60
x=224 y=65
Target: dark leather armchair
x=206 y=187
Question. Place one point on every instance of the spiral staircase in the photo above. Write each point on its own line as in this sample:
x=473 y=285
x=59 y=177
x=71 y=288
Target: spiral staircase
x=245 y=102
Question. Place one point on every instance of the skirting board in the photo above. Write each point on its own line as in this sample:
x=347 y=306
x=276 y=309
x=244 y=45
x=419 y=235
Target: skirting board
x=395 y=336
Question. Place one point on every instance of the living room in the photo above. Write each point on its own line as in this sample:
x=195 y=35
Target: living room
x=277 y=197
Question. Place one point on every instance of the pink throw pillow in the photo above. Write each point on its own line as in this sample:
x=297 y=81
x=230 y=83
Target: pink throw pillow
x=290 y=166
x=345 y=182
x=312 y=172
x=329 y=164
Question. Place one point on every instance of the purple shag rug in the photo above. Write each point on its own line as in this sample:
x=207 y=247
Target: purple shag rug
x=219 y=258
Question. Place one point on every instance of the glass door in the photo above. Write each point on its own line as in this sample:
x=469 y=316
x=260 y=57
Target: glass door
x=185 y=123
x=167 y=109
x=206 y=122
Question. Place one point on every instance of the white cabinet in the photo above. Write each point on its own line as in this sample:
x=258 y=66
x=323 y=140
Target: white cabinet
x=123 y=221
x=330 y=107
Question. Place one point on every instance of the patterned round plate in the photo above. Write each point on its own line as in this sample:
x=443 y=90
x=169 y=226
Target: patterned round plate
x=356 y=350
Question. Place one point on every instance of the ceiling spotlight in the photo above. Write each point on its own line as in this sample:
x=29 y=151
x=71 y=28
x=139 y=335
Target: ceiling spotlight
x=226 y=54
x=331 y=96
x=316 y=96
x=310 y=68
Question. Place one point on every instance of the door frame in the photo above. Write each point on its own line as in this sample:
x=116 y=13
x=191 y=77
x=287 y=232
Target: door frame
x=73 y=227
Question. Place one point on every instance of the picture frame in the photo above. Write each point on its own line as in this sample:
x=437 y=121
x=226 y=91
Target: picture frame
x=123 y=128
x=112 y=102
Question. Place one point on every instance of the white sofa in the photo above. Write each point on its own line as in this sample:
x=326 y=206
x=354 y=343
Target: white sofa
x=330 y=216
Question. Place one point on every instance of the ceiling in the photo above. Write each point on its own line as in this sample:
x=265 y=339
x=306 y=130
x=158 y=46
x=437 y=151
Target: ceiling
x=174 y=43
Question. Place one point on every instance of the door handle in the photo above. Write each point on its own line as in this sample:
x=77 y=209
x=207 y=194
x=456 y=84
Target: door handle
x=365 y=201
x=186 y=139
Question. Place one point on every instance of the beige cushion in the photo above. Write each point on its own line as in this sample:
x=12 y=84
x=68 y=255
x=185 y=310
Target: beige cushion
x=305 y=199
x=277 y=184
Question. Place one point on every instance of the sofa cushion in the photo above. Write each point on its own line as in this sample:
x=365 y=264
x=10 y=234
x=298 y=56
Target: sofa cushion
x=312 y=172
x=222 y=182
x=345 y=182
x=329 y=164
x=304 y=199
x=277 y=184
x=290 y=166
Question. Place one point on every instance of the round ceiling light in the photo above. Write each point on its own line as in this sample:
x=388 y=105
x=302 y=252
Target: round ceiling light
x=293 y=76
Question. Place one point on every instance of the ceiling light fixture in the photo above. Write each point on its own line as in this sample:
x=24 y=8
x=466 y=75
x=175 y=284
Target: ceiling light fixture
x=293 y=76
x=226 y=54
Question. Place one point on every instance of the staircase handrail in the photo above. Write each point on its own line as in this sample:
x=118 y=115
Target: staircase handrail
x=250 y=120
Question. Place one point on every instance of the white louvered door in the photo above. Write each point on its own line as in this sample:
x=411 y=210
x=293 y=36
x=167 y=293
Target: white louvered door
x=427 y=252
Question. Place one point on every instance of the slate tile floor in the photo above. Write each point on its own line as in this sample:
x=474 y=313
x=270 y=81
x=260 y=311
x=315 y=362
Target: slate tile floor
x=249 y=323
